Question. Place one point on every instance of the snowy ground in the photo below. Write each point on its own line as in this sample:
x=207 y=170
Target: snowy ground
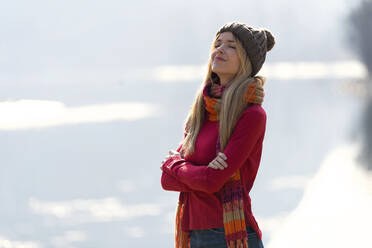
x=335 y=210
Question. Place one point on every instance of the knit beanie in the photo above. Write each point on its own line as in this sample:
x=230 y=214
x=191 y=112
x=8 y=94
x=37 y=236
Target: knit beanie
x=256 y=42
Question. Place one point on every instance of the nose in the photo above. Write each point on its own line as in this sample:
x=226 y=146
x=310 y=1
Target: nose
x=220 y=49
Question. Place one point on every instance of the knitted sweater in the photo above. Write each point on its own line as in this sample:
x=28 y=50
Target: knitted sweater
x=201 y=184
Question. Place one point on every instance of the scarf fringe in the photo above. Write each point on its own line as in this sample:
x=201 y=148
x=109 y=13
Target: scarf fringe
x=182 y=238
x=233 y=213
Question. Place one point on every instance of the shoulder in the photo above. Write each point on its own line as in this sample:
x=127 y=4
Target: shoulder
x=255 y=111
x=252 y=118
x=251 y=122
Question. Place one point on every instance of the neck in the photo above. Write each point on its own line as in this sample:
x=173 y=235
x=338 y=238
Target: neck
x=225 y=79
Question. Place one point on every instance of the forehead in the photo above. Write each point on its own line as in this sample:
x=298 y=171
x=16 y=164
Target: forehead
x=226 y=36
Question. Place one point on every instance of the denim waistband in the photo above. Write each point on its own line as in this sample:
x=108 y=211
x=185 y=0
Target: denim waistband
x=249 y=229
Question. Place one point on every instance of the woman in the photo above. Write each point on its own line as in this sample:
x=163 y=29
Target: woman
x=215 y=166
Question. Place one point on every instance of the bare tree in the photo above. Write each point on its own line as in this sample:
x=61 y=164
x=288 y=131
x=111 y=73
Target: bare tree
x=360 y=39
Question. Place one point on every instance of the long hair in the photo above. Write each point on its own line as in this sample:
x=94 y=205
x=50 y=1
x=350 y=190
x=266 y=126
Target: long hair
x=232 y=102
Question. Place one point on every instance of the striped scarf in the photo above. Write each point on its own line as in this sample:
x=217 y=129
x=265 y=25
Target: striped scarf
x=232 y=191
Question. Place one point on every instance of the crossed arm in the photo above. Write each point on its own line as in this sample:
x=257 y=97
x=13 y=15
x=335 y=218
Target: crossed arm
x=181 y=175
x=170 y=183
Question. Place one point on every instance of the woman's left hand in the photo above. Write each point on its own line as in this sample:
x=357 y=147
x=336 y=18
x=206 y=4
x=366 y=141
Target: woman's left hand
x=171 y=153
x=219 y=162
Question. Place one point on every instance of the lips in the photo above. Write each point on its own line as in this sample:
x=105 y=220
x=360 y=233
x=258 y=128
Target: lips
x=219 y=58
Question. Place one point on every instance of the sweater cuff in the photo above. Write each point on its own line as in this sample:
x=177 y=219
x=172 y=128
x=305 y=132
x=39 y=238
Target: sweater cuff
x=171 y=163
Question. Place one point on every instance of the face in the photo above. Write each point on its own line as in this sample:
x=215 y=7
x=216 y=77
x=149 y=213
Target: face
x=225 y=60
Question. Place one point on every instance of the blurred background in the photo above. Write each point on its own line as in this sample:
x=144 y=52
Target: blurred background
x=94 y=95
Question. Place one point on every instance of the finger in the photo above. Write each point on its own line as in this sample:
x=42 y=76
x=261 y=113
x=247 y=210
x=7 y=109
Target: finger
x=173 y=152
x=212 y=165
x=218 y=165
x=222 y=155
x=260 y=93
x=222 y=162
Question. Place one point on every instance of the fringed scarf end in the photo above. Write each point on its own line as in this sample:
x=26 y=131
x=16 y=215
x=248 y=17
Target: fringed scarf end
x=182 y=237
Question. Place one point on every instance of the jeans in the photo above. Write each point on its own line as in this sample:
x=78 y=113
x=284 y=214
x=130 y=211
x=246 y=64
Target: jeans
x=215 y=237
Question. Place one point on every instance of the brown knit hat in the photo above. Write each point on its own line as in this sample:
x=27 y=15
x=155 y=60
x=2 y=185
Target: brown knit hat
x=256 y=42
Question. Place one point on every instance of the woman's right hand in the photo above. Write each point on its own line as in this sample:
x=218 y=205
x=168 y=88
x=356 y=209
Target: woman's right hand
x=171 y=153
x=218 y=162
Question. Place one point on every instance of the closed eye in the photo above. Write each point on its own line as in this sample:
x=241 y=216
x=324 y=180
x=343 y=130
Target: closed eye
x=229 y=46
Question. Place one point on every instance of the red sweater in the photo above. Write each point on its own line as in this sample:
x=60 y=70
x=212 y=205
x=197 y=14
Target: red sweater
x=201 y=185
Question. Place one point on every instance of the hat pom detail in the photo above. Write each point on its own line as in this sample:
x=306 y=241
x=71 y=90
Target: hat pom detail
x=270 y=40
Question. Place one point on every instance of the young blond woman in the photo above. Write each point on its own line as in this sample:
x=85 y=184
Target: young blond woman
x=215 y=166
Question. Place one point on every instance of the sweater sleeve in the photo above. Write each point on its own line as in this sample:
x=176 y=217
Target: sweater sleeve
x=248 y=129
x=169 y=182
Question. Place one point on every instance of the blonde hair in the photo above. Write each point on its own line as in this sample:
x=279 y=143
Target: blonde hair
x=232 y=102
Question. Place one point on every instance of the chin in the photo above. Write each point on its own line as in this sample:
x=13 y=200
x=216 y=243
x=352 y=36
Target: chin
x=218 y=70
x=221 y=72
